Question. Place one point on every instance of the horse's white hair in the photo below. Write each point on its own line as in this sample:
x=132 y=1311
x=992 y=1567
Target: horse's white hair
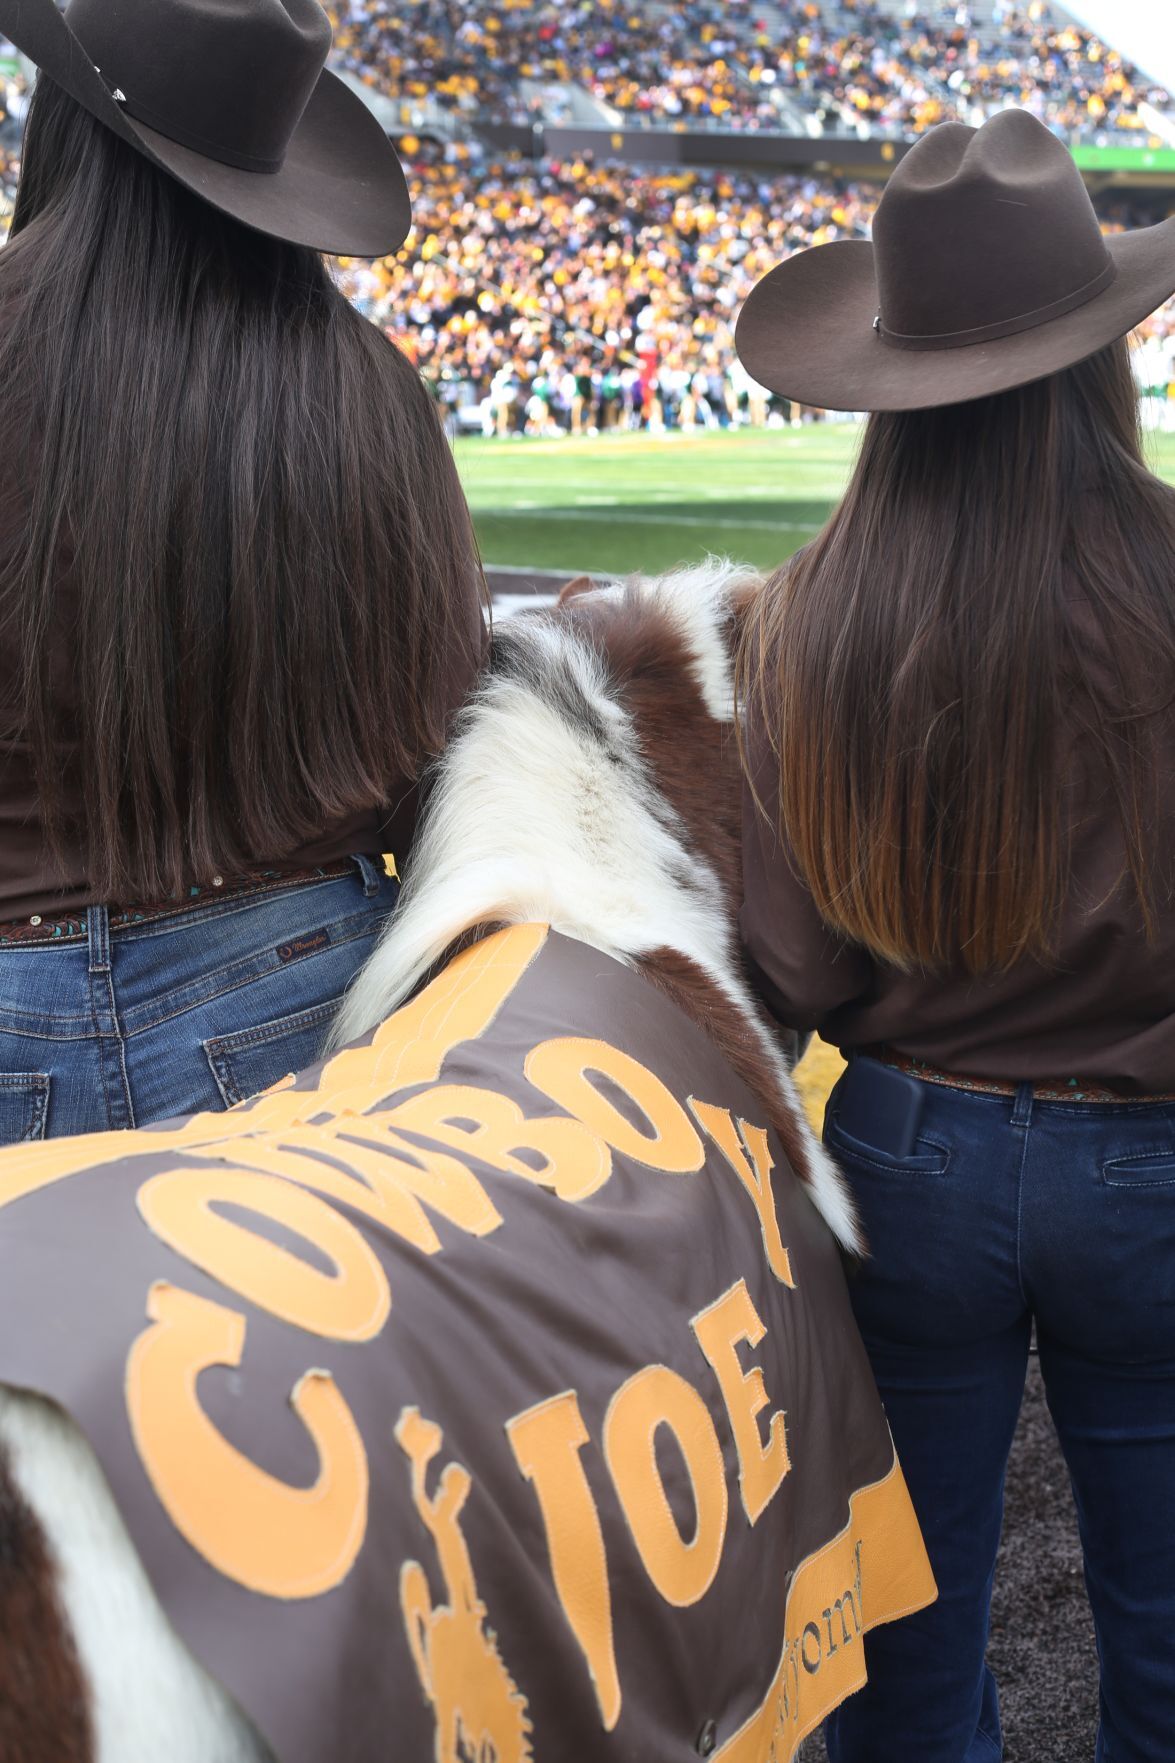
x=544 y=810
x=149 y=1699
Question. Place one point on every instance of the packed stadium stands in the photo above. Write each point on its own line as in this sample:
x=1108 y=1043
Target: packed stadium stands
x=897 y=66
x=893 y=67
x=582 y=295
x=578 y=296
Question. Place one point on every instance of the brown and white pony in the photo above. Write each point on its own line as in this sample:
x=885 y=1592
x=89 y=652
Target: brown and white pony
x=592 y=785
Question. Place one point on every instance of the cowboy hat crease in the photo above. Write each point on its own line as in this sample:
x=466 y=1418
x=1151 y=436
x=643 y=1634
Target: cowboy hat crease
x=233 y=99
x=987 y=270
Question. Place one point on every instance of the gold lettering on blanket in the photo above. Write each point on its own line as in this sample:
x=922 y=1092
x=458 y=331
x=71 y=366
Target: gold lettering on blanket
x=379 y=1170
x=350 y=1304
x=572 y=1161
x=285 y=1542
x=269 y=1200
x=653 y=1398
x=746 y=1149
x=480 y=1712
x=388 y=1180
x=563 y=1070
x=828 y=1609
x=547 y=1441
x=720 y=1328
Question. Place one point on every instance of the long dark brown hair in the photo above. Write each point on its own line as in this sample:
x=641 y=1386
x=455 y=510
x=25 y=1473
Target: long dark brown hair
x=995 y=594
x=270 y=561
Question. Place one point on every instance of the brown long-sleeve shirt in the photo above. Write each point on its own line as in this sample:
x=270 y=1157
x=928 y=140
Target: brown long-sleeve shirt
x=31 y=882
x=1104 y=1010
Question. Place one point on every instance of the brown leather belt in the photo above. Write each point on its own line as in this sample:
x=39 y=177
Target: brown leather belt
x=1071 y=1089
x=72 y=926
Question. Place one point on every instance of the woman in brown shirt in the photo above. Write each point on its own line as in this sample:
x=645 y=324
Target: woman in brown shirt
x=240 y=595
x=960 y=858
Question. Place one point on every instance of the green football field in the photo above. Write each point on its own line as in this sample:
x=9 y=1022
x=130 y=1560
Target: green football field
x=618 y=503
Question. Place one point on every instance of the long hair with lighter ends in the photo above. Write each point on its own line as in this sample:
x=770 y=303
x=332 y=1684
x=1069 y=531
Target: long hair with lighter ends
x=995 y=593
x=270 y=561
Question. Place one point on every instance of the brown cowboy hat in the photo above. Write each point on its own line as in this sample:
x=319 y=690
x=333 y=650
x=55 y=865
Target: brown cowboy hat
x=232 y=98
x=987 y=270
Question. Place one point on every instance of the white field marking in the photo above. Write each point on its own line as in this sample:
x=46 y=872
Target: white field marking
x=149 y=1697
x=690 y=491
x=502 y=500
x=575 y=447
x=745 y=444
x=542 y=575
x=506 y=605
x=634 y=519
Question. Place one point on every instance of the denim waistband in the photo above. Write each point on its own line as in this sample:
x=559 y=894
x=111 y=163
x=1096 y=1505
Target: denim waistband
x=1055 y=1090
x=80 y=926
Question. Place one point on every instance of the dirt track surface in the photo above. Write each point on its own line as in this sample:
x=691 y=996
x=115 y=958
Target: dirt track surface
x=1042 y=1648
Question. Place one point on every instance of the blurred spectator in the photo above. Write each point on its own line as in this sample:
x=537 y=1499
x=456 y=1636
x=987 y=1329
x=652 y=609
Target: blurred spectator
x=9 y=178
x=723 y=63
x=574 y=297
x=610 y=295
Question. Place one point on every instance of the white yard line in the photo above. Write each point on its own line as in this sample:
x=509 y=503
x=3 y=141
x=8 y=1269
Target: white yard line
x=540 y=575
x=634 y=519
x=685 y=492
x=506 y=605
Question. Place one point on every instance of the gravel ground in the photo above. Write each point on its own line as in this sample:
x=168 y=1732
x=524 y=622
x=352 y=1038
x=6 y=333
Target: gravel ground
x=1042 y=1648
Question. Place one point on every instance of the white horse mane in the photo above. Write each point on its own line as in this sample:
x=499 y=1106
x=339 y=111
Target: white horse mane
x=544 y=810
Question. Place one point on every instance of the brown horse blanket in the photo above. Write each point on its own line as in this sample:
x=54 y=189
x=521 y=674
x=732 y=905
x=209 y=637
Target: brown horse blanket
x=488 y=1392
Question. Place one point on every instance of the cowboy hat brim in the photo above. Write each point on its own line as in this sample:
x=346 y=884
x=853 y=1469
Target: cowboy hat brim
x=807 y=331
x=340 y=189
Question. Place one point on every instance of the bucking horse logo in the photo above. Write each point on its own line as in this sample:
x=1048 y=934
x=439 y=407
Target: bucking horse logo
x=481 y=1714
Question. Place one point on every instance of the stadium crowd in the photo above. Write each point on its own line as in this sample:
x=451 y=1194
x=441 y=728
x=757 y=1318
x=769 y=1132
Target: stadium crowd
x=730 y=62
x=588 y=296
x=576 y=297
x=693 y=61
x=905 y=73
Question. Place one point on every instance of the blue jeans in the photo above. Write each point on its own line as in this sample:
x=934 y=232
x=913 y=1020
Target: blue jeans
x=127 y=1026
x=1011 y=1212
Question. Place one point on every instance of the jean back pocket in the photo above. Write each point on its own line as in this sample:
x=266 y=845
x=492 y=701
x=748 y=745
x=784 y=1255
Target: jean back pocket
x=929 y=1157
x=249 y=1061
x=1143 y=1169
x=24 y=1106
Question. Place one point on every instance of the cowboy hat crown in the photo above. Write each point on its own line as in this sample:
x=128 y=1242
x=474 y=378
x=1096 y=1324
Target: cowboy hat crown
x=233 y=99
x=971 y=212
x=987 y=265
x=229 y=80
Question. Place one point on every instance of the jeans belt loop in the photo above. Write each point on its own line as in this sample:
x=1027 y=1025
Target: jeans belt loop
x=98 y=937
x=1022 y=1106
x=372 y=873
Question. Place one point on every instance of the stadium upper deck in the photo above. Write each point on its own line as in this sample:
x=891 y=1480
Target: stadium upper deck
x=789 y=66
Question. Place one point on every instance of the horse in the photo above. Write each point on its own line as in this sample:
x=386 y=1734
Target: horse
x=594 y=784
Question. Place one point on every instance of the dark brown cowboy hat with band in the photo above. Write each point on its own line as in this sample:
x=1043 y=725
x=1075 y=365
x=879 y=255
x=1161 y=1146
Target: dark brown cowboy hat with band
x=233 y=99
x=987 y=270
